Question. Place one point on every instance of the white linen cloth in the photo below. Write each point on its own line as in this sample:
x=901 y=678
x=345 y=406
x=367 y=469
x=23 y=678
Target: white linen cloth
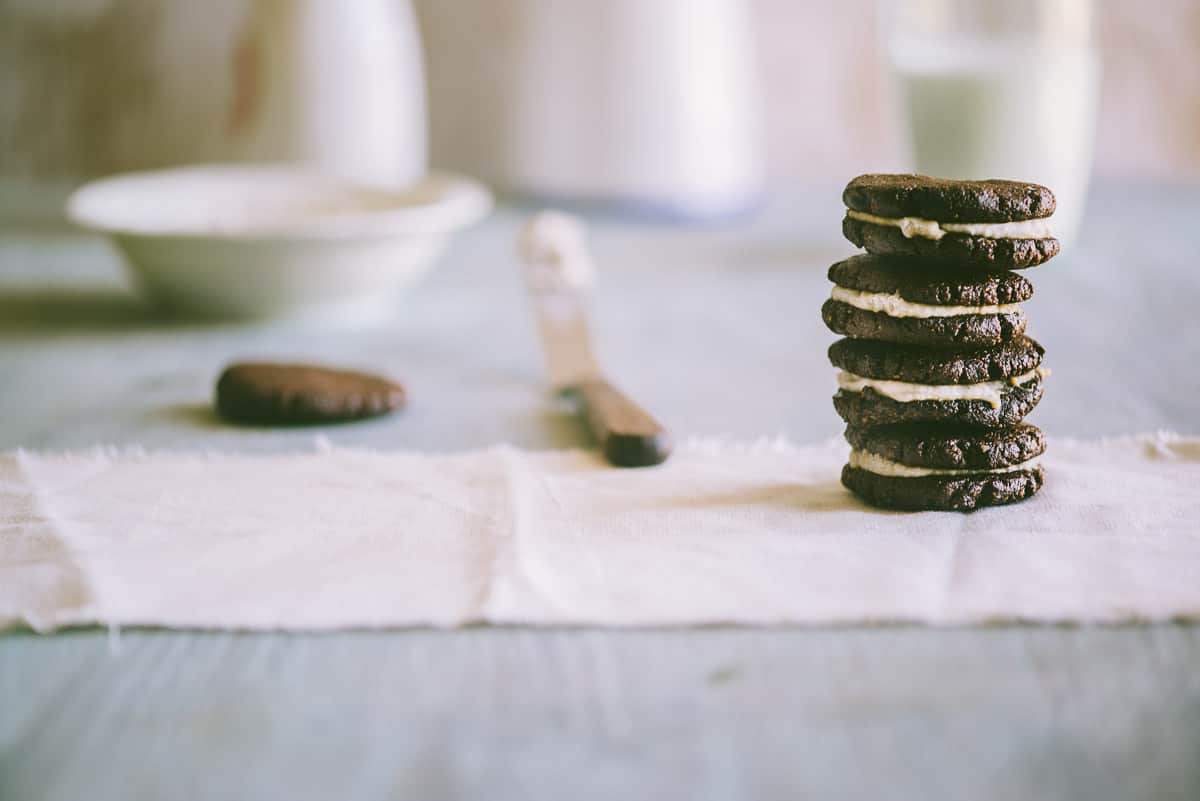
x=746 y=534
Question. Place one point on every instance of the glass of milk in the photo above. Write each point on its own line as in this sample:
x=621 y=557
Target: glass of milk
x=1000 y=90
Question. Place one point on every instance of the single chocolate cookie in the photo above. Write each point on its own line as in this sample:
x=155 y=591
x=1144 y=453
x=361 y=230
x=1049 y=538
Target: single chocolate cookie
x=898 y=300
x=944 y=468
x=883 y=383
x=982 y=225
x=293 y=394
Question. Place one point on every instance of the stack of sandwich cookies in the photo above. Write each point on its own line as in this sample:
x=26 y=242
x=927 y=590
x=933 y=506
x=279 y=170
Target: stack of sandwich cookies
x=936 y=373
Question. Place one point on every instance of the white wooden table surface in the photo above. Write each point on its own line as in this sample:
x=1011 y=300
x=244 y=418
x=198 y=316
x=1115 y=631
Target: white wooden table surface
x=718 y=331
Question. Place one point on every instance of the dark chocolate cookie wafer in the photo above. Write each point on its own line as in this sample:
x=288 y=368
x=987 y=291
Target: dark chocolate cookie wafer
x=886 y=383
x=943 y=493
x=950 y=447
x=926 y=366
x=929 y=282
x=944 y=468
x=959 y=331
x=891 y=195
x=984 y=225
x=292 y=394
x=893 y=300
x=870 y=408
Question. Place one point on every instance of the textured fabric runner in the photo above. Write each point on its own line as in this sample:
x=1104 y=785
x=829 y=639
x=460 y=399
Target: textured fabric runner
x=753 y=534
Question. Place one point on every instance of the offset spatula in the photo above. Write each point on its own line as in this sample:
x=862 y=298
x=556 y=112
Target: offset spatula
x=559 y=276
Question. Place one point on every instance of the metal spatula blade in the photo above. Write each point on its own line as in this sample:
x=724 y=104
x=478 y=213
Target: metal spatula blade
x=559 y=277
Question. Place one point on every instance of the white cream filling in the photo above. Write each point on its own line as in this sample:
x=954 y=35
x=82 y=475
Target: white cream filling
x=932 y=229
x=988 y=391
x=895 y=306
x=873 y=463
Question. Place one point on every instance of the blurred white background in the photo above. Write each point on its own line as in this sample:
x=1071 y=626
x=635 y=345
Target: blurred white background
x=90 y=87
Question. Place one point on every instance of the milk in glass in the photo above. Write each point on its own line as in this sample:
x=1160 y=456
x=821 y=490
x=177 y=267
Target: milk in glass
x=1000 y=90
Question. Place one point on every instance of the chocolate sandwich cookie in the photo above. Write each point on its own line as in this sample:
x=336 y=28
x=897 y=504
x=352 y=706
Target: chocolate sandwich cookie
x=987 y=225
x=946 y=468
x=891 y=299
x=297 y=394
x=882 y=383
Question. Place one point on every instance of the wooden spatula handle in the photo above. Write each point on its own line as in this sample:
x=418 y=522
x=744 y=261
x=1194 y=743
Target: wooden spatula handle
x=627 y=434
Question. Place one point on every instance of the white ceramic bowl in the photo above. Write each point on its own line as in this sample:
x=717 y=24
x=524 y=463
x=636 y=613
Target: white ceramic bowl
x=275 y=240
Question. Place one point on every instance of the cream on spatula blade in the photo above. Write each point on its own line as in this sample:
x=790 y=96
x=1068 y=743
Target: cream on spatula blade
x=559 y=275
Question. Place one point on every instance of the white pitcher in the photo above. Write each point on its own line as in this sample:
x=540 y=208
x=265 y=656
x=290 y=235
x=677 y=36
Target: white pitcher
x=338 y=85
x=649 y=104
